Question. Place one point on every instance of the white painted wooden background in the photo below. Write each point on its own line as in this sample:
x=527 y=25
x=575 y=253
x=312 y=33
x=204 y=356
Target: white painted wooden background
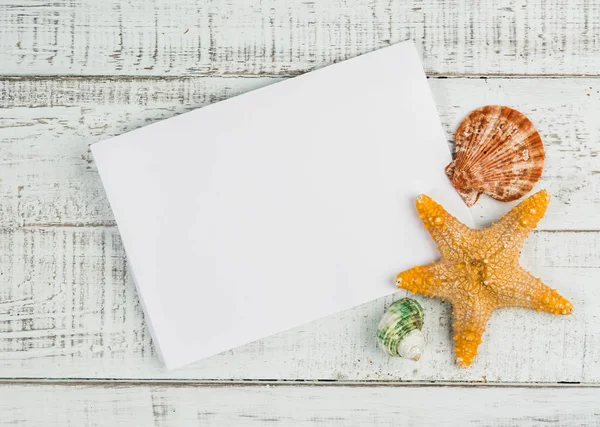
x=74 y=349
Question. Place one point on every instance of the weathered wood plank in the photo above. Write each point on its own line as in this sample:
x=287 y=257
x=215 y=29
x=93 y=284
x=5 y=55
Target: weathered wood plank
x=114 y=406
x=69 y=309
x=188 y=37
x=47 y=175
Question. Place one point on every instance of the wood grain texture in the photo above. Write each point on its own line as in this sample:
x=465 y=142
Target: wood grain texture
x=68 y=309
x=115 y=406
x=187 y=37
x=48 y=176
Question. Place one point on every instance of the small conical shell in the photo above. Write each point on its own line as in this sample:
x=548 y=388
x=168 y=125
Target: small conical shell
x=498 y=152
x=399 y=331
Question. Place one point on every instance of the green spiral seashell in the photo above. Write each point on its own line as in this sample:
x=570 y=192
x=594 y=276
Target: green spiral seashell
x=399 y=331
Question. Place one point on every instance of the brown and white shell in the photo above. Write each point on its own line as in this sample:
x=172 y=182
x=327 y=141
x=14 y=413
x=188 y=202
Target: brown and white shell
x=498 y=152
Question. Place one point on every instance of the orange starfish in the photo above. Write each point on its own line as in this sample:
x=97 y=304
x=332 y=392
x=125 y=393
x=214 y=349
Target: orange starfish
x=479 y=271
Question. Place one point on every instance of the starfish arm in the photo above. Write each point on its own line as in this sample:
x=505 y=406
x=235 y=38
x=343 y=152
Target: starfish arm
x=450 y=234
x=429 y=280
x=470 y=320
x=526 y=291
x=513 y=228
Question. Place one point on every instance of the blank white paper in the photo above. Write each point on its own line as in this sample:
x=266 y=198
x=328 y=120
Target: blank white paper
x=280 y=206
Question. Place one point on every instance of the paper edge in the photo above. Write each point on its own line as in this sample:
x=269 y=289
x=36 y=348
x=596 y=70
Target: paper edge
x=131 y=269
x=308 y=74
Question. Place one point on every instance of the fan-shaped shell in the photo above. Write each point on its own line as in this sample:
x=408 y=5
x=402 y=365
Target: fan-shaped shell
x=399 y=331
x=498 y=152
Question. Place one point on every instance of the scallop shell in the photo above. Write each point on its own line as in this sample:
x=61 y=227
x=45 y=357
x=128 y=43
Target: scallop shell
x=399 y=331
x=498 y=152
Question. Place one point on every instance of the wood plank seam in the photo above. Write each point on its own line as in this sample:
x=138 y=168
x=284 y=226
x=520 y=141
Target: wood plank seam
x=325 y=383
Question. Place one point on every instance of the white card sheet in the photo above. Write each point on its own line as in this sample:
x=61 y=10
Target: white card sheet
x=281 y=206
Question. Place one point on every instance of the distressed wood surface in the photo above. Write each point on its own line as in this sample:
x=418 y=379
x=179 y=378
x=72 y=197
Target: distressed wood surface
x=188 y=37
x=156 y=405
x=46 y=126
x=68 y=309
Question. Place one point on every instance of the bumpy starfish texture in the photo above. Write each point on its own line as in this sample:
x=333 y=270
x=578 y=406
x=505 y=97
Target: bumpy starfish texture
x=479 y=270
